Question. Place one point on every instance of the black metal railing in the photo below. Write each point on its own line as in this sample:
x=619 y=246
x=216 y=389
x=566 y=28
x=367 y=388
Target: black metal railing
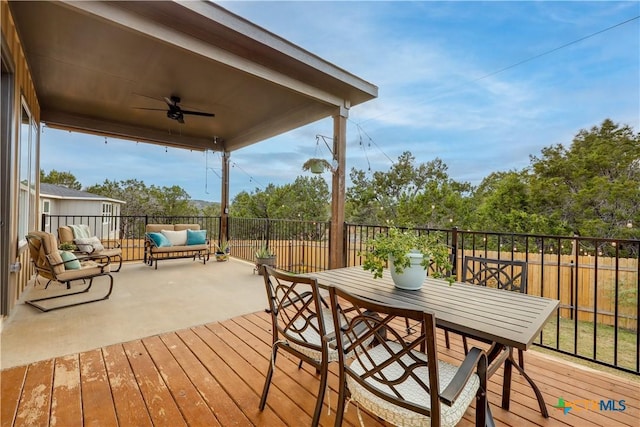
x=595 y=280
x=300 y=246
x=127 y=232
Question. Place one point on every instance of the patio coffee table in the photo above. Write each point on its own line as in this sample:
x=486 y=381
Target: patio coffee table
x=509 y=320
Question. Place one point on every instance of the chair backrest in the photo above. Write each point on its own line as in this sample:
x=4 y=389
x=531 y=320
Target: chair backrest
x=496 y=273
x=296 y=309
x=65 y=234
x=395 y=368
x=42 y=247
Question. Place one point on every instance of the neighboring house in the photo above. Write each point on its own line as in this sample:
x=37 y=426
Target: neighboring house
x=100 y=213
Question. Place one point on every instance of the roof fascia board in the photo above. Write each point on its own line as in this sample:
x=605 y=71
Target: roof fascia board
x=89 y=199
x=240 y=25
x=137 y=23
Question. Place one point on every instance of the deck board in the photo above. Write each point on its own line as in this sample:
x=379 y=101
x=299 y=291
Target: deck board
x=213 y=374
x=66 y=403
x=11 y=387
x=127 y=397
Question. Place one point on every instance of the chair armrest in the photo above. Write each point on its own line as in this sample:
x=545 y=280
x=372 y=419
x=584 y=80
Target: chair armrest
x=475 y=359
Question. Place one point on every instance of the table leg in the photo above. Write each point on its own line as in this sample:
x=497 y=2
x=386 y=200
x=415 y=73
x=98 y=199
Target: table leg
x=509 y=363
x=506 y=384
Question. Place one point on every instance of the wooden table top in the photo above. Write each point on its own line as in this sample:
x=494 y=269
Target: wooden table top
x=509 y=318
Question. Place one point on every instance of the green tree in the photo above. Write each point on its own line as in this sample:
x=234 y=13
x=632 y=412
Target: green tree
x=307 y=198
x=173 y=201
x=211 y=209
x=503 y=204
x=64 y=179
x=592 y=187
x=410 y=194
x=136 y=195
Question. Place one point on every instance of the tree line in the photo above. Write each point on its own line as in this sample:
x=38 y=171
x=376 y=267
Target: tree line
x=590 y=188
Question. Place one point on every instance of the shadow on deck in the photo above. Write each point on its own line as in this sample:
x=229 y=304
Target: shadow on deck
x=213 y=374
x=189 y=344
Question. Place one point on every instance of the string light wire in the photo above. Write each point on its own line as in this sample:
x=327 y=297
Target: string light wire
x=493 y=73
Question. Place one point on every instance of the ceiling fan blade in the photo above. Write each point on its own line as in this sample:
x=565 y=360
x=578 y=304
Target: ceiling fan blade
x=198 y=113
x=150 y=109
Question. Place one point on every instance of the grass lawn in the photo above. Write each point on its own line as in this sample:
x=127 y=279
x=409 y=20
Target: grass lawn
x=604 y=348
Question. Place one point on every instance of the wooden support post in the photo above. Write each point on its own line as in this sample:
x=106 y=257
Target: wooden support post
x=336 y=245
x=224 y=197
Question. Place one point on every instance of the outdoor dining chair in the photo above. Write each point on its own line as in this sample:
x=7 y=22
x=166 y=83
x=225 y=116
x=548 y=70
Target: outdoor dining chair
x=510 y=275
x=301 y=320
x=400 y=378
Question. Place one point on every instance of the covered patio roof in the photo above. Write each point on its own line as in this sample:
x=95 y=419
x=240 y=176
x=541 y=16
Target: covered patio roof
x=99 y=67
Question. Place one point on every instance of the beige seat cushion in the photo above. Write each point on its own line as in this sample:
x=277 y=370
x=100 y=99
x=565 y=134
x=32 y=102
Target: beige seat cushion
x=56 y=262
x=409 y=389
x=180 y=227
x=185 y=248
x=90 y=269
x=156 y=228
x=65 y=234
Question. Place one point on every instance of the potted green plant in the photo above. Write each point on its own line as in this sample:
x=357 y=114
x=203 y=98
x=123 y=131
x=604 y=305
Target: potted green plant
x=223 y=250
x=316 y=165
x=264 y=256
x=67 y=246
x=408 y=255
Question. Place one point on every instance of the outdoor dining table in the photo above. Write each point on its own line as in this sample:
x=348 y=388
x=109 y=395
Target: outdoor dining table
x=508 y=320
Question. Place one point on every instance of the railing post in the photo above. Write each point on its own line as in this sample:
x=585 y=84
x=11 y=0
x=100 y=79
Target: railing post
x=454 y=251
x=43 y=222
x=146 y=222
x=267 y=232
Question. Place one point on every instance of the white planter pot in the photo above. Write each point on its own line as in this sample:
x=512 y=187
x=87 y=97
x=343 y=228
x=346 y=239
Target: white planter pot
x=412 y=277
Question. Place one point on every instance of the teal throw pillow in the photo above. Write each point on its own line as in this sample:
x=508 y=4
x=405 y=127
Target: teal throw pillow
x=196 y=237
x=70 y=260
x=159 y=240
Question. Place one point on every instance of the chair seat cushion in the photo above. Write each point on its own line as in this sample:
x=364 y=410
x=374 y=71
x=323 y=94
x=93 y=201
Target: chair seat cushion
x=111 y=252
x=409 y=389
x=88 y=269
x=183 y=248
x=310 y=335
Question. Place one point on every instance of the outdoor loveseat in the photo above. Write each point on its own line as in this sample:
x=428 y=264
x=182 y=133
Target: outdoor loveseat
x=171 y=241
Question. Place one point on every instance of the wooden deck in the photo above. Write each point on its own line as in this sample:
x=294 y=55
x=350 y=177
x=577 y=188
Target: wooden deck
x=212 y=375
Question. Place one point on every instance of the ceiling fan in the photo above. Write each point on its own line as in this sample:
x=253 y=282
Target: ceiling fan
x=175 y=112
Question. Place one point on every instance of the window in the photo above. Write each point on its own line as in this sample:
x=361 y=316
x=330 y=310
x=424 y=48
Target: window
x=27 y=175
x=46 y=211
x=107 y=213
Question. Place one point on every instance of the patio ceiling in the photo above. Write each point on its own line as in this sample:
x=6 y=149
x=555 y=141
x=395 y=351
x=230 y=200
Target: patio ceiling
x=98 y=67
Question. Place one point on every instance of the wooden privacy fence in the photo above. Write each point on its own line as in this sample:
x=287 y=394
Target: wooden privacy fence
x=598 y=292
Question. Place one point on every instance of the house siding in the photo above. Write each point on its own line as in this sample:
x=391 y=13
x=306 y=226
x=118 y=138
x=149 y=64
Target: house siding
x=14 y=283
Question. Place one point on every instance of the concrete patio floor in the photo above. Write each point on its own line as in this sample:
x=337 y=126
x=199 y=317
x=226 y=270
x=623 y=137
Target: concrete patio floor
x=145 y=302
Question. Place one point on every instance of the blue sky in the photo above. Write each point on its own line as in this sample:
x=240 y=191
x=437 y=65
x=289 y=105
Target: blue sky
x=440 y=93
